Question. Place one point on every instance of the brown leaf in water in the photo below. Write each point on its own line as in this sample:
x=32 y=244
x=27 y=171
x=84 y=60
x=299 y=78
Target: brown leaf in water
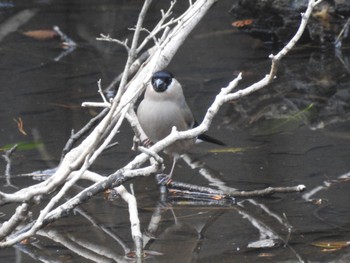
x=110 y=195
x=266 y=255
x=232 y=149
x=20 y=125
x=243 y=23
x=324 y=16
x=25 y=241
x=44 y=34
x=329 y=246
x=106 y=194
x=227 y=150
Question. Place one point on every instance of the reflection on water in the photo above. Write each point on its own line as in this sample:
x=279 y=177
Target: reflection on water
x=293 y=132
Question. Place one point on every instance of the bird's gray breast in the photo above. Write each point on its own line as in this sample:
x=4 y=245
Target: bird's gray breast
x=158 y=117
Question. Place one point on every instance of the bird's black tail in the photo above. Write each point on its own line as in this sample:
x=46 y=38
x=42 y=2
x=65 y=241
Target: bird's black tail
x=207 y=138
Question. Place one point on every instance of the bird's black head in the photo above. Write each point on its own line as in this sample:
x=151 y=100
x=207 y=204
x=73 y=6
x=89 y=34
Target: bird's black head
x=161 y=80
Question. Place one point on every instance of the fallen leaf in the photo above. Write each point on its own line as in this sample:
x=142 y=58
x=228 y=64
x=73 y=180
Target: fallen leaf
x=227 y=150
x=231 y=149
x=44 y=34
x=22 y=146
x=110 y=195
x=106 y=193
x=331 y=245
x=266 y=255
x=324 y=16
x=242 y=23
x=25 y=241
x=20 y=125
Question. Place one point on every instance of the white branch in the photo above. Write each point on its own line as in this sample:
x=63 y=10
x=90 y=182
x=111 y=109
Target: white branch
x=107 y=38
x=304 y=19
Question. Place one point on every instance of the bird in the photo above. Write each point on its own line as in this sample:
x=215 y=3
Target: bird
x=163 y=107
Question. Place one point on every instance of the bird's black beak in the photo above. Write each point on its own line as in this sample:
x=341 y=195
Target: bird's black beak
x=159 y=85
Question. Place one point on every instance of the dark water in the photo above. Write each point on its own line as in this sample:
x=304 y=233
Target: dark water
x=296 y=131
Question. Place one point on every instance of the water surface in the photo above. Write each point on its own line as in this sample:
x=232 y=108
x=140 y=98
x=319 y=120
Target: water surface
x=295 y=131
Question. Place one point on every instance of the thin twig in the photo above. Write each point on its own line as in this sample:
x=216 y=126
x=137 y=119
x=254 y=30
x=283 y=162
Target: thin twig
x=132 y=53
x=67 y=40
x=304 y=19
x=338 y=41
x=107 y=38
x=101 y=92
x=132 y=70
x=76 y=136
x=7 y=157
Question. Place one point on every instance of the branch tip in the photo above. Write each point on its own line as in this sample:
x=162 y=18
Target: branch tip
x=301 y=187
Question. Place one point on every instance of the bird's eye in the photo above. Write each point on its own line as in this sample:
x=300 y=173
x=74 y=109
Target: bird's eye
x=167 y=81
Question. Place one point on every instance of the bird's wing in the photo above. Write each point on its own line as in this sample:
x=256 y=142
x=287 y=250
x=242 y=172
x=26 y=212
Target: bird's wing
x=207 y=138
x=188 y=116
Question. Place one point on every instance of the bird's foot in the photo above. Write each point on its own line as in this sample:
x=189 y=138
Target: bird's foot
x=147 y=143
x=163 y=179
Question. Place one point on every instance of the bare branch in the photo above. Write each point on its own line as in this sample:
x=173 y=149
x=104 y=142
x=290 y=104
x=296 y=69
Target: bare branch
x=7 y=157
x=304 y=19
x=17 y=218
x=101 y=92
x=133 y=68
x=76 y=136
x=132 y=52
x=107 y=38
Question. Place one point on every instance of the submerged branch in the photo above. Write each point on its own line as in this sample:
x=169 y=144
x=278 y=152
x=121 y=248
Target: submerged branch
x=194 y=190
x=7 y=157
